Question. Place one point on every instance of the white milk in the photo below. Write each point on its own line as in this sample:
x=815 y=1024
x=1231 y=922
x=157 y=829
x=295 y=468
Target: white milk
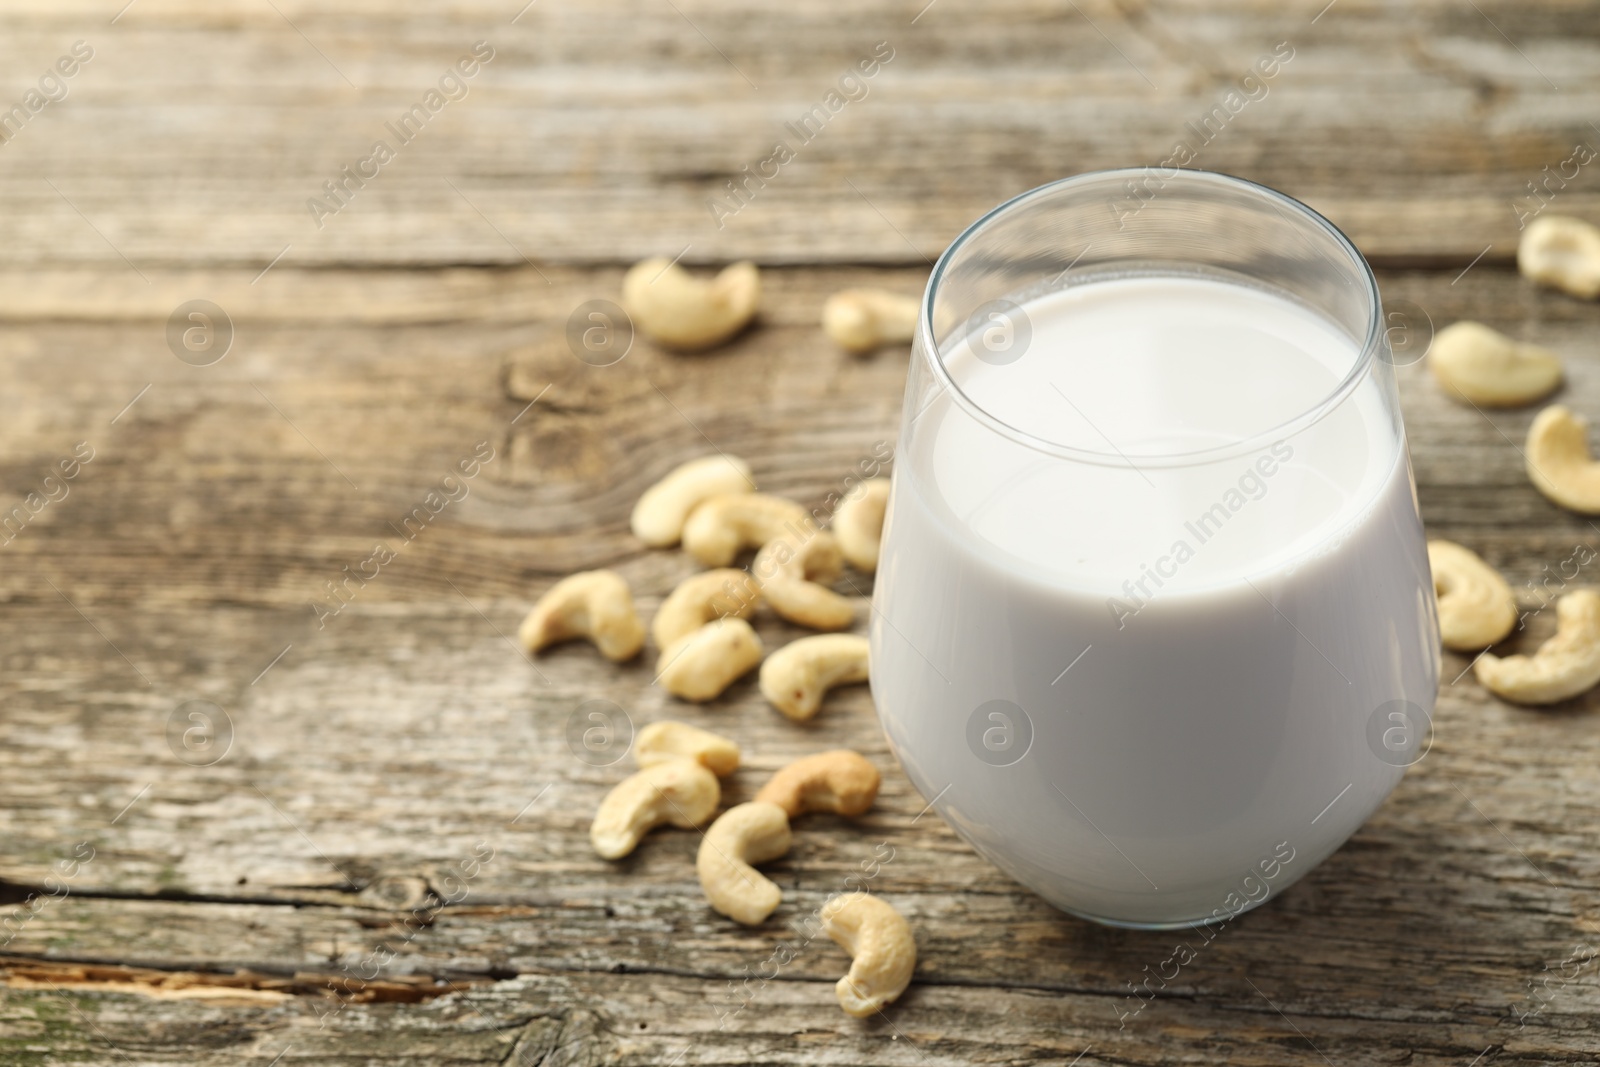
x=1243 y=619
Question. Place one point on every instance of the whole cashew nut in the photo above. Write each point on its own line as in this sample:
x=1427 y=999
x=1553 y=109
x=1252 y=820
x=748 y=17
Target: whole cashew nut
x=883 y=951
x=1563 y=253
x=864 y=320
x=1559 y=462
x=699 y=665
x=723 y=526
x=702 y=597
x=666 y=741
x=795 y=677
x=592 y=604
x=858 y=524
x=1476 y=608
x=676 y=309
x=679 y=791
x=659 y=515
x=841 y=781
x=792 y=569
x=743 y=835
x=1488 y=368
x=1564 y=666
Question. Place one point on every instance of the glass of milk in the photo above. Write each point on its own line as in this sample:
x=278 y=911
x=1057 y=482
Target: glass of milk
x=1154 y=628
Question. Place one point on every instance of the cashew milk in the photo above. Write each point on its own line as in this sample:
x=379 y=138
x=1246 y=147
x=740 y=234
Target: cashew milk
x=1136 y=683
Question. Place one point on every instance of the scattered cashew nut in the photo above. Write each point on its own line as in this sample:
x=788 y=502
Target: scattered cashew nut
x=1559 y=462
x=792 y=569
x=841 y=781
x=1563 y=253
x=659 y=515
x=673 y=307
x=722 y=526
x=863 y=320
x=702 y=663
x=679 y=791
x=1564 y=666
x=1476 y=608
x=592 y=604
x=702 y=597
x=858 y=524
x=663 y=742
x=883 y=952
x=795 y=677
x=1486 y=367
x=743 y=835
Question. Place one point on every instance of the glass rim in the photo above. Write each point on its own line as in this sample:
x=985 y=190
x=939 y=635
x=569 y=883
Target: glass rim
x=1195 y=457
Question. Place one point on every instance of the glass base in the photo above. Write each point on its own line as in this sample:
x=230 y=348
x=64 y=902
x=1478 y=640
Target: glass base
x=1173 y=924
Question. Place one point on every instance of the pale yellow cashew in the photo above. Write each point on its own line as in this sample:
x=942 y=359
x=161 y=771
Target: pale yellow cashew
x=679 y=791
x=864 y=320
x=592 y=604
x=792 y=569
x=858 y=524
x=659 y=515
x=673 y=307
x=702 y=597
x=699 y=665
x=796 y=677
x=882 y=949
x=663 y=742
x=1476 y=608
x=1490 y=369
x=840 y=781
x=1559 y=462
x=1563 y=253
x=743 y=835
x=1566 y=665
x=723 y=526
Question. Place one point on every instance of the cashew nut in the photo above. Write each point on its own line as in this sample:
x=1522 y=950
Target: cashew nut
x=659 y=515
x=795 y=677
x=863 y=320
x=840 y=781
x=1476 y=608
x=592 y=604
x=1559 y=462
x=702 y=663
x=701 y=598
x=679 y=791
x=1564 y=666
x=723 y=526
x=663 y=742
x=1486 y=367
x=743 y=835
x=792 y=568
x=671 y=306
x=883 y=952
x=858 y=524
x=1563 y=253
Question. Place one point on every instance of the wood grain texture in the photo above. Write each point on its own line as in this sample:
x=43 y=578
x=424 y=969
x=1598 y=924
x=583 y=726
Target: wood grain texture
x=389 y=863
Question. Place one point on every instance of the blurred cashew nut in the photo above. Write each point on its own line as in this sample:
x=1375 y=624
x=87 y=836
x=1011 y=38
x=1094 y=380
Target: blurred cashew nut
x=679 y=791
x=701 y=598
x=663 y=742
x=792 y=569
x=659 y=515
x=858 y=524
x=699 y=665
x=1565 y=666
x=795 y=678
x=591 y=604
x=1488 y=368
x=882 y=949
x=840 y=781
x=1476 y=608
x=673 y=307
x=1563 y=253
x=744 y=835
x=864 y=320
x=722 y=526
x=1559 y=462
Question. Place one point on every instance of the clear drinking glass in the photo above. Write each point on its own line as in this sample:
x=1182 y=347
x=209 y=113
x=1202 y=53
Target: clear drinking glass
x=1154 y=627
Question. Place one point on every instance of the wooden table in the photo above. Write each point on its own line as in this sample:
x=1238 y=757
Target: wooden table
x=388 y=860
